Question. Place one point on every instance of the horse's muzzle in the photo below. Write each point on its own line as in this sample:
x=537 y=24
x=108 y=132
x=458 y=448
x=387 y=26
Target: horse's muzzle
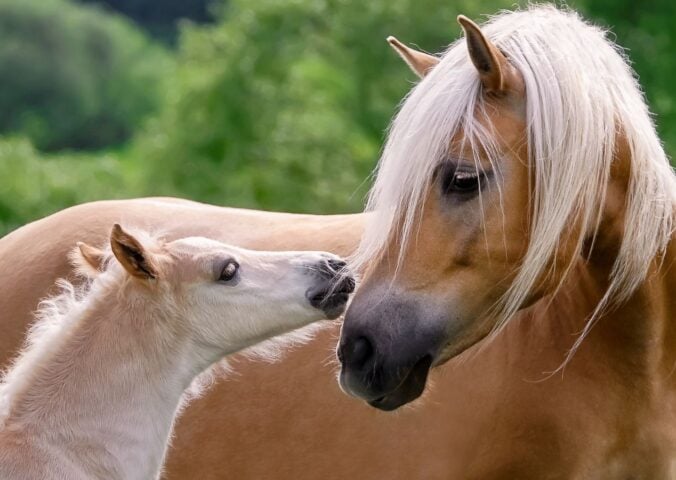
x=386 y=350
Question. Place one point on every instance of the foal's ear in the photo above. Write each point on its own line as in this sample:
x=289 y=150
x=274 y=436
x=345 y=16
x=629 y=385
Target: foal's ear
x=496 y=73
x=421 y=63
x=92 y=256
x=131 y=254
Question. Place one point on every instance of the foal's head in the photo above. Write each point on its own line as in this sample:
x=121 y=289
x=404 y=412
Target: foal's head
x=222 y=297
x=504 y=165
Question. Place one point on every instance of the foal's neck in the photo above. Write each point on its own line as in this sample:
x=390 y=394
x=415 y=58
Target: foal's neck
x=104 y=392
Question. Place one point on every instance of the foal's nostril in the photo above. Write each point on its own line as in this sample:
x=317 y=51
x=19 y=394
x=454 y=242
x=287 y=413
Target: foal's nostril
x=346 y=285
x=336 y=265
x=355 y=354
x=335 y=270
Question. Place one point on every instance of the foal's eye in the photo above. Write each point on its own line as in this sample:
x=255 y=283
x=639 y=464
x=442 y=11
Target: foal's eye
x=461 y=182
x=229 y=271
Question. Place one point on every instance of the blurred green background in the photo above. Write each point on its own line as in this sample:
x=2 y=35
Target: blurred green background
x=274 y=104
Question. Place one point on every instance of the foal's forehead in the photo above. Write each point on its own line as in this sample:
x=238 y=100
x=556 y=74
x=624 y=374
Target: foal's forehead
x=193 y=258
x=200 y=246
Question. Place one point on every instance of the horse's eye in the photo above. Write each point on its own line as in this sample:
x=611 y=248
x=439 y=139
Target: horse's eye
x=460 y=182
x=229 y=271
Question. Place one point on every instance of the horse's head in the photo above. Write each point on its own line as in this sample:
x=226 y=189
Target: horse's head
x=222 y=297
x=492 y=182
x=423 y=300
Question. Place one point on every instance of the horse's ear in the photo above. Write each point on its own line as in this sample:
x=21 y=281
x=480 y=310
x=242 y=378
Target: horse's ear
x=133 y=256
x=421 y=63
x=496 y=73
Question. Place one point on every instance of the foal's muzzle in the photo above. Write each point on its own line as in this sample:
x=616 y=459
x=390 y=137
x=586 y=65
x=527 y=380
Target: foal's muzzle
x=333 y=288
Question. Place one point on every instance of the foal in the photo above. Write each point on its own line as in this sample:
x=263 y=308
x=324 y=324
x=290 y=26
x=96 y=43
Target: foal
x=104 y=371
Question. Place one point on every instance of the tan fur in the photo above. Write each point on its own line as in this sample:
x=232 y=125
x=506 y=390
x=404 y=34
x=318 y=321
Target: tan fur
x=90 y=258
x=105 y=368
x=494 y=69
x=131 y=254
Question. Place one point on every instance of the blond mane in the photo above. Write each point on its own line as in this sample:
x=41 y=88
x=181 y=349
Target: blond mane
x=580 y=93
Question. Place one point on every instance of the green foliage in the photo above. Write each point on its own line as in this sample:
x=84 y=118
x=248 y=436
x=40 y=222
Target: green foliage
x=72 y=76
x=648 y=31
x=34 y=185
x=283 y=105
x=280 y=105
x=160 y=17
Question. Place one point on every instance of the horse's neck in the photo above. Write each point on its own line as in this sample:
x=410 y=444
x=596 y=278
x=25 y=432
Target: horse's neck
x=637 y=336
x=636 y=339
x=660 y=293
x=638 y=333
x=105 y=394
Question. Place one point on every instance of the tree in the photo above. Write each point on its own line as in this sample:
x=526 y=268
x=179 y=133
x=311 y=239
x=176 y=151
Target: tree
x=74 y=77
x=283 y=105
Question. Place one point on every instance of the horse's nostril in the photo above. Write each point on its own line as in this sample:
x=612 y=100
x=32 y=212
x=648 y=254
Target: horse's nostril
x=356 y=353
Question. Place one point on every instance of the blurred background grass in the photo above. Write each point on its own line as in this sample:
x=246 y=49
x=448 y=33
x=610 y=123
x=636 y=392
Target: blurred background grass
x=275 y=104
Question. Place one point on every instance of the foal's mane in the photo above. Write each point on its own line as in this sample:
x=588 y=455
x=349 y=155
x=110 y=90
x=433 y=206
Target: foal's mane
x=581 y=94
x=54 y=316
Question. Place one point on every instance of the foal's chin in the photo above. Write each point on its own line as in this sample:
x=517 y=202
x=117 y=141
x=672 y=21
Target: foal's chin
x=336 y=306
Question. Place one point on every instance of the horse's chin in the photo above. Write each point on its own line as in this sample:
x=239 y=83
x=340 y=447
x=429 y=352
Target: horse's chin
x=411 y=387
x=460 y=345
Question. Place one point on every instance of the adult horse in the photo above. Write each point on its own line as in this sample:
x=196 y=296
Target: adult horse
x=528 y=180
x=490 y=415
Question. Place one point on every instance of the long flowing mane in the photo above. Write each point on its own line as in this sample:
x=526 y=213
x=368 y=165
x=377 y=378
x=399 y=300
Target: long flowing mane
x=581 y=94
